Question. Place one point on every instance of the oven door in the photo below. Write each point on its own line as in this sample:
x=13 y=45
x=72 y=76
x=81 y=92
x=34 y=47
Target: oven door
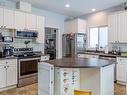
x=28 y=67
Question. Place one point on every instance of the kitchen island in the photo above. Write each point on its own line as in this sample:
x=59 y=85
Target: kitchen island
x=62 y=76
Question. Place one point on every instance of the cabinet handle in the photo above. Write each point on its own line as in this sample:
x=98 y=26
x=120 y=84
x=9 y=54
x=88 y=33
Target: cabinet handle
x=8 y=66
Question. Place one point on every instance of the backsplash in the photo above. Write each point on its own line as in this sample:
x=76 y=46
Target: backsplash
x=19 y=43
x=123 y=46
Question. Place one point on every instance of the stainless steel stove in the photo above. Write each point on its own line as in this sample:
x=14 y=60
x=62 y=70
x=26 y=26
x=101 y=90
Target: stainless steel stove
x=27 y=65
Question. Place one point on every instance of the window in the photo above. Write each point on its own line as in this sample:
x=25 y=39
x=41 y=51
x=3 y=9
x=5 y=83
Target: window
x=98 y=36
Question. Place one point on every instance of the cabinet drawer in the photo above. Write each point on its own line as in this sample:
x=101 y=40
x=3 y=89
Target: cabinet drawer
x=11 y=61
x=2 y=62
x=121 y=60
x=94 y=56
x=44 y=58
x=81 y=55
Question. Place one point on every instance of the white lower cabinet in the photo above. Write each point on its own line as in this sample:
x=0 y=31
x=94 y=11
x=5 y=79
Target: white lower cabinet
x=2 y=76
x=87 y=56
x=11 y=75
x=8 y=73
x=122 y=70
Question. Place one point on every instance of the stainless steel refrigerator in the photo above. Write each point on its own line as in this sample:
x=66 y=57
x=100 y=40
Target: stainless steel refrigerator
x=73 y=44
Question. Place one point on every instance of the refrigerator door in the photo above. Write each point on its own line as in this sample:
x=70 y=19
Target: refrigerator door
x=45 y=79
x=80 y=43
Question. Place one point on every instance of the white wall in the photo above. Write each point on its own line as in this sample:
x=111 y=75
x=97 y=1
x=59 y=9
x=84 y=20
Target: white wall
x=51 y=20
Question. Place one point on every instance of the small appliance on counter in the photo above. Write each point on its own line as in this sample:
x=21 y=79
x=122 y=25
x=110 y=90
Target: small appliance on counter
x=1 y=37
x=7 y=39
x=2 y=46
x=8 y=51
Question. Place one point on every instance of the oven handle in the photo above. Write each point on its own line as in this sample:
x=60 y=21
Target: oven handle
x=29 y=59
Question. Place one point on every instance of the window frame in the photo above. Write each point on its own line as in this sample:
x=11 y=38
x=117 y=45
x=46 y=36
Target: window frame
x=98 y=35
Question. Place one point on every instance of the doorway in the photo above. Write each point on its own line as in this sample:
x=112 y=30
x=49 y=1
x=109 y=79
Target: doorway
x=51 y=42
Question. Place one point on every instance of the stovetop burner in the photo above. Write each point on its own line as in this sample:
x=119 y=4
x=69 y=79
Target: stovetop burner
x=25 y=53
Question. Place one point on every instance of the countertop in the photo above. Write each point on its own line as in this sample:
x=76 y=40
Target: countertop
x=102 y=54
x=10 y=57
x=14 y=57
x=80 y=63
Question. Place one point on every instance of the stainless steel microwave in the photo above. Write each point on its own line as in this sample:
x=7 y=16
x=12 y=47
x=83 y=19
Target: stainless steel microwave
x=26 y=34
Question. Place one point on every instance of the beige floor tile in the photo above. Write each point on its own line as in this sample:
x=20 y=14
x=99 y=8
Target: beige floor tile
x=32 y=90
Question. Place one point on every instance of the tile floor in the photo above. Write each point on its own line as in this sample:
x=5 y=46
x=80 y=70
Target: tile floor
x=32 y=90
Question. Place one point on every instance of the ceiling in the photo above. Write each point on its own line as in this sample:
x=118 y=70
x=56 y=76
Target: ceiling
x=78 y=7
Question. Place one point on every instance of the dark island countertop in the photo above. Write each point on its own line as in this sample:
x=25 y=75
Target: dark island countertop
x=80 y=63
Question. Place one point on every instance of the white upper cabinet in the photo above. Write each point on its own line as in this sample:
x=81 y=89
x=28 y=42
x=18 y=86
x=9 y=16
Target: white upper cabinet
x=8 y=19
x=19 y=20
x=81 y=26
x=40 y=22
x=75 y=26
x=31 y=21
x=1 y=17
x=122 y=27
x=117 y=27
x=113 y=29
x=40 y=29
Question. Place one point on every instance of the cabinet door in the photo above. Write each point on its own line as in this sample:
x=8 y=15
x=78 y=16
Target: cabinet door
x=31 y=21
x=2 y=77
x=121 y=72
x=40 y=22
x=122 y=27
x=81 y=26
x=1 y=17
x=71 y=26
x=45 y=79
x=40 y=29
x=11 y=75
x=19 y=20
x=113 y=26
x=8 y=18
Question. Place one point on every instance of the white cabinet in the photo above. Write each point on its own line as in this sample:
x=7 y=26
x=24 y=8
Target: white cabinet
x=2 y=76
x=1 y=17
x=11 y=75
x=122 y=27
x=117 y=27
x=113 y=28
x=122 y=70
x=19 y=20
x=46 y=85
x=40 y=29
x=75 y=26
x=31 y=21
x=8 y=72
x=87 y=56
x=45 y=57
x=8 y=19
x=40 y=21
